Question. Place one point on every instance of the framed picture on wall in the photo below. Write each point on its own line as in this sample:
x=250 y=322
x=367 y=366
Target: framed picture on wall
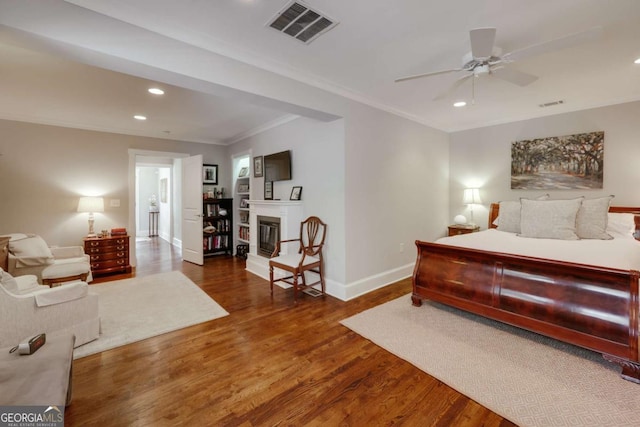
x=268 y=190
x=164 y=184
x=210 y=174
x=257 y=167
x=296 y=193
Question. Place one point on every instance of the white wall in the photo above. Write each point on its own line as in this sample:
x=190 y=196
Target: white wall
x=318 y=166
x=482 y=157
x=45 y=169
x=396 y=193
x=379 y=181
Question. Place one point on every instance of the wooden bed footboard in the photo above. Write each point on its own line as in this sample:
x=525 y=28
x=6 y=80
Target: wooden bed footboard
x=592 y=307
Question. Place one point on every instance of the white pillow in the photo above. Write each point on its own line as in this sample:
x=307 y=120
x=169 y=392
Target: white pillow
x=32 y=247
x=509 y=215
x=621 y=224
x=549 y=219
x=592 y=218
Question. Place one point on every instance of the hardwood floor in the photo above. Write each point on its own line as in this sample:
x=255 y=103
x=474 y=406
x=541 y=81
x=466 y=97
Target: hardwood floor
x=268 y=363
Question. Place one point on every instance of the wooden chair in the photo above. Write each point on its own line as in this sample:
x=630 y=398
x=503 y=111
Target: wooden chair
x=308 y=257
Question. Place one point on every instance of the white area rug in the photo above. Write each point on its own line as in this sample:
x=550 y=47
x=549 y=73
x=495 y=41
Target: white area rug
x=526 y=378
x=134 y=309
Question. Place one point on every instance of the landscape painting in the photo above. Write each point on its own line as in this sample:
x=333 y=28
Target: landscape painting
x=559 y=163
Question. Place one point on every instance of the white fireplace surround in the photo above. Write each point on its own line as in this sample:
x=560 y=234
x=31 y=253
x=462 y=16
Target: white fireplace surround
x=291 y=214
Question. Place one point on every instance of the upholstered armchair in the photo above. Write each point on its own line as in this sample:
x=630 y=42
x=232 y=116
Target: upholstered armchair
x=30 y=254
x=28 y=308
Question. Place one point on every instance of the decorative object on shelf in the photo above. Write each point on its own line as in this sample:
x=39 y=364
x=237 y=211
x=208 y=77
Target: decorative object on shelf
x=219 y=193
x=460 y=219
x=153 y=203
x=91 y=205
x=296 y=193
x=471 y=197
x=244 y=172
x=243 y=188
x=268 y=190
x=210 y=174
x=257 y=167
x=222 y=212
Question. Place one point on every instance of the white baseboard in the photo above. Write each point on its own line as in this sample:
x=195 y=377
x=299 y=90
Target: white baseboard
x=260 y=267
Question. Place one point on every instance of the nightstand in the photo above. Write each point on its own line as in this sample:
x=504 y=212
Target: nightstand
x=457 y=229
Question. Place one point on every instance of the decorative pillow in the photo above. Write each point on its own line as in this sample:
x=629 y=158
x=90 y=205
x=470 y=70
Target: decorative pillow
x=592 y=218
x=621 y=224
x=32 y=247
x=509 y=215
x=549 y=219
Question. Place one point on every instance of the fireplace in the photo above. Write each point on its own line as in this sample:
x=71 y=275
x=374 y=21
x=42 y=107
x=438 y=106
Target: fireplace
x=268 y=235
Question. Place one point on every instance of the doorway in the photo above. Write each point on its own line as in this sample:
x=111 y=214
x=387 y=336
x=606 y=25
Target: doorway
x=154 y=177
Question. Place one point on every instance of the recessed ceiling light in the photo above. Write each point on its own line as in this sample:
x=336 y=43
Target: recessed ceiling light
x=139 y=117
x=637 y=61
x=459 y=104
x=156 y=91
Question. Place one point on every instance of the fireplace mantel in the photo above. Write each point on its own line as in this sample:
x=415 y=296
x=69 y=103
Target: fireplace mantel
x=291 y=214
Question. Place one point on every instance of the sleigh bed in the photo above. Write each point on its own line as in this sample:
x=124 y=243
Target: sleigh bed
x=582 y=303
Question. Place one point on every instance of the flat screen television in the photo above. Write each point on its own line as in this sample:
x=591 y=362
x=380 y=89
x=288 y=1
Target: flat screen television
x=277 y=166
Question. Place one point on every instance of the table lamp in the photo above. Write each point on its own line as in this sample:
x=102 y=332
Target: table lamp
x=91 y=205
x=470 y=197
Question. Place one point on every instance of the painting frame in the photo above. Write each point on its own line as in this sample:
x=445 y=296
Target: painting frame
x=568 y=162
x=258 y=170
x=296 y=193
x=164 y=185
x=210 y=174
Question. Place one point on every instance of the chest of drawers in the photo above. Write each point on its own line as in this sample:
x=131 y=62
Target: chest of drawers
x=108 y=254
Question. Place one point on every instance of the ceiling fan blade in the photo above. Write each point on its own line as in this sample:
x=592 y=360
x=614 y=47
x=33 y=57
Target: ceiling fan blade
x=514 y=76
x=434 y=73
x=453 y=87
x=482 y=40
x=575 y=39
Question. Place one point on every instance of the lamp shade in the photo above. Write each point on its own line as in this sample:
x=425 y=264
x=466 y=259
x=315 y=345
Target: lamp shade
x=91 y=204
x=471 y=196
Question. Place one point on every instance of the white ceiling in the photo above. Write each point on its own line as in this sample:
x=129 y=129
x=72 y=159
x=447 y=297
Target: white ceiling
x=375 y=42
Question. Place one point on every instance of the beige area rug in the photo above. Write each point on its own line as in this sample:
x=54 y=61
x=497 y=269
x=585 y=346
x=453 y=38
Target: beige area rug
x=526 y=378
x=135 y=309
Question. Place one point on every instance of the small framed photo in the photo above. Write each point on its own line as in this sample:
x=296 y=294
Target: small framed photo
x=296 y=193
x=210 y=174
x=268 y=190
x=257 y=167
x=244 y=172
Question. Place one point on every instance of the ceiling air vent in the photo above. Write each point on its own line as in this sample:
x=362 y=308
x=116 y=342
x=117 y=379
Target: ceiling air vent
x=301 y=22
x=551 y=104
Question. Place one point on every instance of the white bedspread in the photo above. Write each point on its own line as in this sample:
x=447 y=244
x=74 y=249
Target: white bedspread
x=620 y=252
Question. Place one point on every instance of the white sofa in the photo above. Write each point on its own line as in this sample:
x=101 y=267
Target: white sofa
x=30 y=254
x=27 y=309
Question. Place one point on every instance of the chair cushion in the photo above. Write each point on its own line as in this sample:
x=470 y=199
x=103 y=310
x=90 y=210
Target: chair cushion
x=8 y=282
x=293 y=260
x=65 y=269
x=20 y=285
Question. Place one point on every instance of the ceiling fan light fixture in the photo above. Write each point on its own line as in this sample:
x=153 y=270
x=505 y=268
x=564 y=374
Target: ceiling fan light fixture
x=459 y=104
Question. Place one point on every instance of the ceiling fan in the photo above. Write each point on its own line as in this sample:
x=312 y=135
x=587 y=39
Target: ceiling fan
x=487 y=59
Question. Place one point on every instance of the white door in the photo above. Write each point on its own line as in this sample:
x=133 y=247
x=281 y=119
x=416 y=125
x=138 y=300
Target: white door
x=192 y=249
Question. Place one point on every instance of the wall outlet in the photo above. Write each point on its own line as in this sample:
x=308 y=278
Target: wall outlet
x=114 y=203
x=401 y=247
